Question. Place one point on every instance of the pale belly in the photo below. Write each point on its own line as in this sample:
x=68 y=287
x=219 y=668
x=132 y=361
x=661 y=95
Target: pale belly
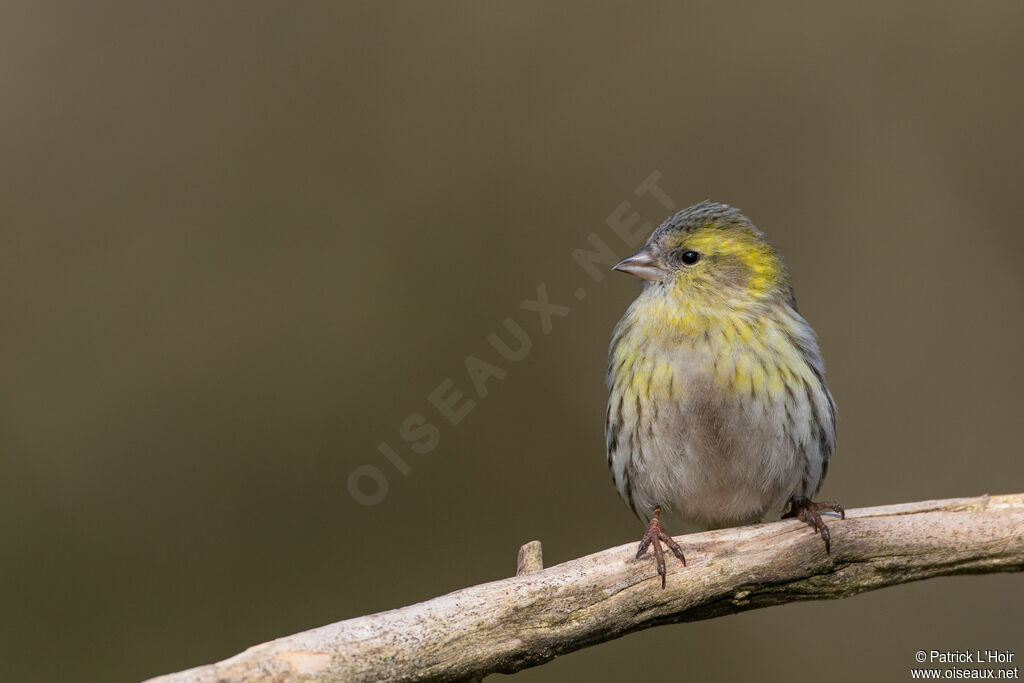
x=729 y=469
x=710 y=456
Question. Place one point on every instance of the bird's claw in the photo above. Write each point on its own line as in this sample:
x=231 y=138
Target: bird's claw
x=808 y=512
x=654 y=536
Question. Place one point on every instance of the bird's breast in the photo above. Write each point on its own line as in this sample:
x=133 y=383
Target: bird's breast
x=712 y=422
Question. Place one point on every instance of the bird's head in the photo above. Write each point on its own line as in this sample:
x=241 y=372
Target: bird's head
x=711 y=253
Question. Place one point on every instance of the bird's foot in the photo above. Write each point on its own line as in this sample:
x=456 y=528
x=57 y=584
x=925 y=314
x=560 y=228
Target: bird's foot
x=655 y=535
x=807 y=511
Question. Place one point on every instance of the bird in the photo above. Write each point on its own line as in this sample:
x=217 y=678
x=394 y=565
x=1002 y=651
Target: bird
x=718 y=411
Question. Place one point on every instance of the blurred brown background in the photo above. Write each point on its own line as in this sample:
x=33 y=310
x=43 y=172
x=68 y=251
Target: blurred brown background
x=243 y=241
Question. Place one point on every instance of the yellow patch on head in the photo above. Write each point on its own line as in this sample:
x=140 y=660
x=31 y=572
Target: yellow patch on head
x=734 y=257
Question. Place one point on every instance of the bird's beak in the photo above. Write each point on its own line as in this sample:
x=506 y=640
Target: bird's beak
x=643 y=265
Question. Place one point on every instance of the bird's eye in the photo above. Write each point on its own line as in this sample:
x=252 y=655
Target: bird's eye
x=690 y=257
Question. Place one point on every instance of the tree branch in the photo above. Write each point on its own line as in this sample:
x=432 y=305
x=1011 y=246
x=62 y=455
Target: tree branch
x=514 y=623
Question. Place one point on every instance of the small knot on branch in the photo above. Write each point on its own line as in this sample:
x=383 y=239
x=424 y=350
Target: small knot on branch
x=531 y=558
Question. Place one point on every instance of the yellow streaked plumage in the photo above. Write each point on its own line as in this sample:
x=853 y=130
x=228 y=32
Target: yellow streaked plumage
x=718 y=410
